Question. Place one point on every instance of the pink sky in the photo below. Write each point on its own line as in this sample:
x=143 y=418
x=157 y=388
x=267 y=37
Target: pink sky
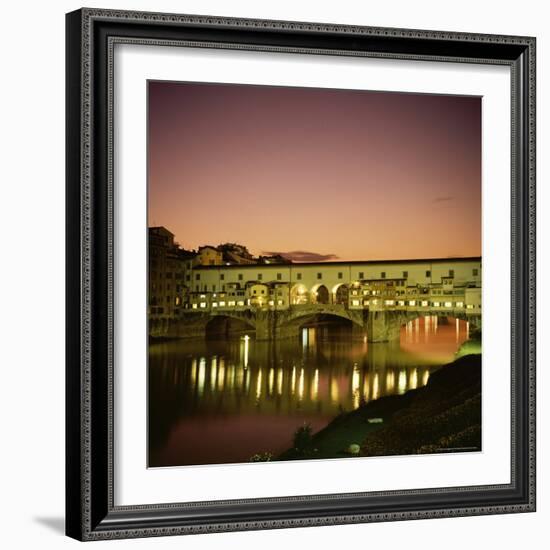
x=348 y=175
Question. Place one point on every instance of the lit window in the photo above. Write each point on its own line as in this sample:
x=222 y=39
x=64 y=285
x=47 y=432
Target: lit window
x=424 y=303
x=195 y=306
x=203 y=296
x=271 y=303
x=215 y=304
x=390 y=302
x=401 y=302
x=280 y=302
x=436 y=304
x=365 y=302
x=355 y=302
x=222 y=304
x=354 y=292
x=412 y=302
x=448 y=304
x=240 y=303
x=460 y=304
x=470 y=306
x=203 y=304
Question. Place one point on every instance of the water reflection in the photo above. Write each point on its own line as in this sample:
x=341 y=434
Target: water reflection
x=222 y=401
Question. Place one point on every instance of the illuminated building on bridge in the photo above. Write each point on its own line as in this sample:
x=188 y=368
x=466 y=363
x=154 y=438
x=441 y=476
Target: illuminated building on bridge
x=376 y=296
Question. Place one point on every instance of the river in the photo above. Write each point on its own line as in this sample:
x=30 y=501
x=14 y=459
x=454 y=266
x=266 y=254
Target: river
x=224 y=400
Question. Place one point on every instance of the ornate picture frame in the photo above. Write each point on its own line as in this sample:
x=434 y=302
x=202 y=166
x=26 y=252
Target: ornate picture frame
x=91 y=509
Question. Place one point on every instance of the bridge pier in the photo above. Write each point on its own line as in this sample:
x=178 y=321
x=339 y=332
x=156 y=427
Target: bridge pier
x=382 y=326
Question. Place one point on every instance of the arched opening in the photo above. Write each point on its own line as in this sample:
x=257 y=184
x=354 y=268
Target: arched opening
x=340 y=294
x=437 y=337
x=222 y=326
x=325 y=327
x=299 y=295
x=320 y=295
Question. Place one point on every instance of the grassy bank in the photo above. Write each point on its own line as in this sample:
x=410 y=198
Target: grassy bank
x=444 y=415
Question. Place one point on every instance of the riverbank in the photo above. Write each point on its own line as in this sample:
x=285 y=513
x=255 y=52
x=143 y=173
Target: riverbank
x=443 y=416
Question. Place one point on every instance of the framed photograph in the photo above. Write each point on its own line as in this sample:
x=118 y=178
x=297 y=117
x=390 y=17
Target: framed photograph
x=300 y=274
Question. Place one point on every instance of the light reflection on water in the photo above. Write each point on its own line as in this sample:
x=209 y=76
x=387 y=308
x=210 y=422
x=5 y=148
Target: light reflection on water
x=221 y=401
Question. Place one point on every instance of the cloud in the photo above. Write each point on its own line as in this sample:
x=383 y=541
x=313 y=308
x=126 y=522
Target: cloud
x=444 y=199
x=303 y=256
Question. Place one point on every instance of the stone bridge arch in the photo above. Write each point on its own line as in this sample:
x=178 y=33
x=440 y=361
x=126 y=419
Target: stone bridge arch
x=386 y=325
x=222 y=323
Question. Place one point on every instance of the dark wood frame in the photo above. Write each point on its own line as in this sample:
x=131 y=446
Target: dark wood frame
x=90 y=510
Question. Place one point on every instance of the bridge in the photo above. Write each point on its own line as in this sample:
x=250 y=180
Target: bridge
x=373 y=325
x=275 y=301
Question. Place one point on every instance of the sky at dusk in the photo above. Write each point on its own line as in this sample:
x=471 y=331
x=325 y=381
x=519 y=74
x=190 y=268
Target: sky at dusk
x=316 y=174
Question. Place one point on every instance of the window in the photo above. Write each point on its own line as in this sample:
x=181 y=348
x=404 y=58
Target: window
x=383 y=275
x=222 y=277
x=355 y=303
x=198 y=277
x=259 y=276
x=299 y=276
x=188 y=277
x=405 y=274
x=240 y=276
x=319 y=275
x=451 y=272
x=254 y=291
x=279 y=276
x=361 y=275
x=168 y=275
x=213 y=288
x=428 y=273
x=340 y=275
x=168 y=299
x=475 y=272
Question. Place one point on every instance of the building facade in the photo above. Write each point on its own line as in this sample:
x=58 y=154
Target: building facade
x=444 y=284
